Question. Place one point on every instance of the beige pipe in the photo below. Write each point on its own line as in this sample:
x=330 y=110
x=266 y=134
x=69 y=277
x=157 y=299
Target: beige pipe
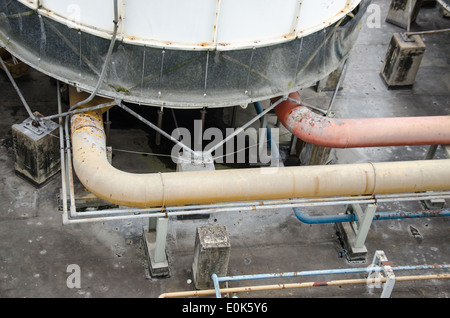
x=197 y=187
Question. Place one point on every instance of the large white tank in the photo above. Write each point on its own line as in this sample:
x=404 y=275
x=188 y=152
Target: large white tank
x=184 y=53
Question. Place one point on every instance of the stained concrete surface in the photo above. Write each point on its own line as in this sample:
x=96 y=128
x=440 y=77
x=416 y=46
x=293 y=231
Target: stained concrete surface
x=36 y=248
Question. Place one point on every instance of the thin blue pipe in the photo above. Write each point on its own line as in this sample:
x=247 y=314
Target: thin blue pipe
x=259 y=110
x=371 y=269
x=323 y=272
x=215 y=280
x=341 y=218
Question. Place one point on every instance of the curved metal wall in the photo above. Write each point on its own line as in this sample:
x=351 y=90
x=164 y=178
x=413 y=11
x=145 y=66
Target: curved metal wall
x=174 y=78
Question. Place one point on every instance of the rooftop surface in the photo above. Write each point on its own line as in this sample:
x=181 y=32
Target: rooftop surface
x=36 y=249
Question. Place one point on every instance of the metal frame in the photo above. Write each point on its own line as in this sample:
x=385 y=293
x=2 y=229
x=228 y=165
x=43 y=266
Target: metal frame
x=362 y=226
x=380 y=260
x=130 y=213
x=381 y=271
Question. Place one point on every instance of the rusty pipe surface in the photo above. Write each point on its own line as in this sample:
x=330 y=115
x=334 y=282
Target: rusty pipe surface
x=361 y=132
x=196 y=187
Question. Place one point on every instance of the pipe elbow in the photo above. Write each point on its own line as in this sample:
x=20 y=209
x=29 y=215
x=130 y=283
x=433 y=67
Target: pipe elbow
x=310 y=126
x=97 y=174
x=361 y=132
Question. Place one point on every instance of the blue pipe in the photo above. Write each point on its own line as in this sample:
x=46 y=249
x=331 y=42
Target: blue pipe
x=340 y=218
x=369 y=269
x=259 y=110
x=216 y=280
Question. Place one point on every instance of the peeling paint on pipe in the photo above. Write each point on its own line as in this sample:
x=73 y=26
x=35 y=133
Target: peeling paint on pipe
x=361 y=132
x=196 y=187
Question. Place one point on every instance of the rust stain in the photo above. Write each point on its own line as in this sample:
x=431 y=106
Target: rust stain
x=319 y=284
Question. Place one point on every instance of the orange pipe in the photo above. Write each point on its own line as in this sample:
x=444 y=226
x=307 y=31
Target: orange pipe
x=361 y=132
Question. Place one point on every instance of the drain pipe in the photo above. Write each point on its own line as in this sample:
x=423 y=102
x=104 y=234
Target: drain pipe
x=198 y=187
x=362 y=132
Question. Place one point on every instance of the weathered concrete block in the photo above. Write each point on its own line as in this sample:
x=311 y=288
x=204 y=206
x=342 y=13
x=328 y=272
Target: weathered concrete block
x=37 y=150
x=347 y=237
x=399 y=11
x=403 y=60
x=211 y=255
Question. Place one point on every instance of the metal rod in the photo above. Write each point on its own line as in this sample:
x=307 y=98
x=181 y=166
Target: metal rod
x=13 y=82
x=108 y=129
x=69 y=170
x=427 y=32
x=408 y=26
x=301 y=103
x=369 y=269
x=77 y=111
x=104 y=215
x=341 y=76
x=162 y=132
x=259 y=110
x=208 y=208
x=242 y=128
x=303 y=285
x=62 y=155
x=160 y=119
x=107 y=60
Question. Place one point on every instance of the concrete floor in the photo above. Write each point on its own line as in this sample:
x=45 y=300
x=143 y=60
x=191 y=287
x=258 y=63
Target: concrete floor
x=36 y=249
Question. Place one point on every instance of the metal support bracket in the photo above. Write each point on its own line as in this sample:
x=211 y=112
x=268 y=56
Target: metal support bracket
x=354 y=234
x=380 y=260
x=155 y=245
x=361 y=227
x=435 y=203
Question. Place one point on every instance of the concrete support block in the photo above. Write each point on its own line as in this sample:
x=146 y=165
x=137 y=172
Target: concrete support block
x=211 y=255
x=403 y=60
x=353 y=234
x=348 y=236
x=398 y=13
x=36 y=149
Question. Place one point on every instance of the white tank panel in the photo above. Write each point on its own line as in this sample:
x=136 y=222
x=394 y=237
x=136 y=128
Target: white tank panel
x=198 y=24
x=91 y=14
